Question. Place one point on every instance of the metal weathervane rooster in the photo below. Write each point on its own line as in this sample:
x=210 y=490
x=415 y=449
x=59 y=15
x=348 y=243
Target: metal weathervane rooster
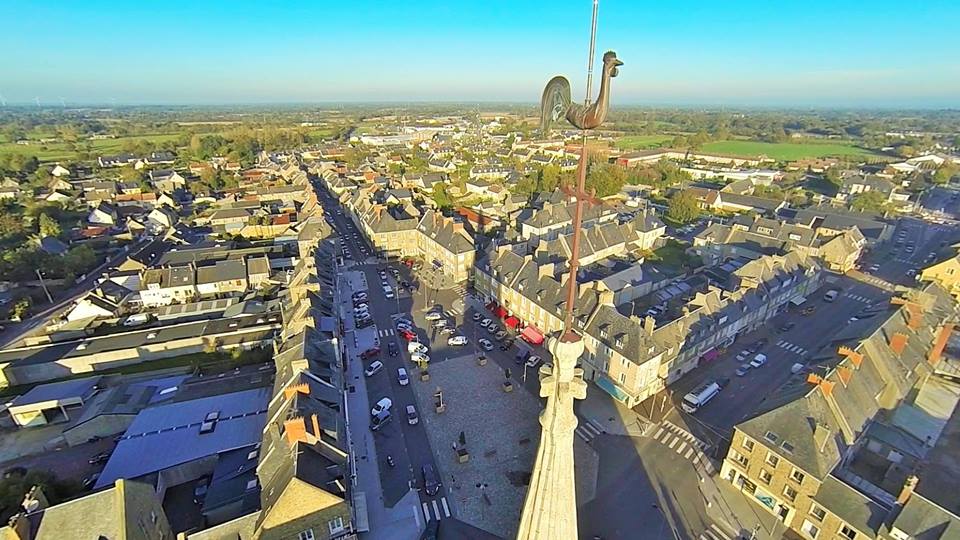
x=556 y=101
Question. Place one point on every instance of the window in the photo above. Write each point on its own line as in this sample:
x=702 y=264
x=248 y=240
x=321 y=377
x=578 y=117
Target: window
x=305 y=535
x=790 y=493
x=847 y=532
x=335 y=525
x=747 y=444
x=772 y=459
x=818 y=513
x=810 y=529
x=771 y=437
x=623 y=378
x=797 y=476
x=765 y=476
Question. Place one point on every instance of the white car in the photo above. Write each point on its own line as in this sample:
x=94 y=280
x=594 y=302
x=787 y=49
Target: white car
x=477 y=316
x=416 y=347
x=420 y=358
x=758 y=360
x=374 y=368
x=533 y=361
x=402 y=377
x=457 y=341
x=485 y=344
x=433 y=316
x=383 y=405
x=485 y=323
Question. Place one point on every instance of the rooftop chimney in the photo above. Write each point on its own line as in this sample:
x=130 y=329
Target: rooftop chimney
x=898 y=342
x=909 y=485
x=35 y=500
x=649 y=323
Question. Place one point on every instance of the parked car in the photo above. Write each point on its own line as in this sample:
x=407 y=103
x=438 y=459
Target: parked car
x=477 y=316
x=533 y=361
x=501 y=335
x=431 y=482
x=485 y=344
x=787 y=326
x=448 y=330
x=758 y=360
x=364 y=322
x=392 y=348
x=90 y=481
x=874 y=267
x=370 y=353
x=416 y=346
x=507 y=343
x=433 y=316
x=408 y=335
x=412 y=417
x=742 y=355
x=742 y=370
x=380 y=419
x=457 y=341
x=493 y=329
x=485 y=323
x=440 y=323
x=808 y=310
x=401 y=320
x=521 y=356
x=383 y=404
x=402 y=377
x=99 y=458
x=374 y=368
x=420 y=358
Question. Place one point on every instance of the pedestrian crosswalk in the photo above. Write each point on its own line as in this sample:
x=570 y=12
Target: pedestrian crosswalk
x=684 y=443
x=387 y=332
x=440 y=510
x=715 y=533
x=461 y=290
x=588 y=429
x=787 y=346
x=857 y=297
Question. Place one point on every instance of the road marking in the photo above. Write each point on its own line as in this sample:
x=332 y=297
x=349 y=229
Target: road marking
x=688 y=452
x=436 y=509
x=657 y=435
x=446 y=509
x=673 y=442
x=682 y=445
x=426 y=512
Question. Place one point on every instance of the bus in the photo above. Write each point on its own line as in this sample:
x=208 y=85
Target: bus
x=699 y=396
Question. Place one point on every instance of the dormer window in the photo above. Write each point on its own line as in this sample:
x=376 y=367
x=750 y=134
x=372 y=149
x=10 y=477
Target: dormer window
x=603 y=330
x=620 y=340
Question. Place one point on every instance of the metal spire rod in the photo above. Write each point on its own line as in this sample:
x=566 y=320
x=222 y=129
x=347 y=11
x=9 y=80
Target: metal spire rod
x=580 y=193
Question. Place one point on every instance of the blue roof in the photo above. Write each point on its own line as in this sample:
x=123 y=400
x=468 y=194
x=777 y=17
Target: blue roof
x=76 y=388
x=168 y=435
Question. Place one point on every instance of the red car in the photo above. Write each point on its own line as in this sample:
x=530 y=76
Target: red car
x=408 y=335
x=370 y=353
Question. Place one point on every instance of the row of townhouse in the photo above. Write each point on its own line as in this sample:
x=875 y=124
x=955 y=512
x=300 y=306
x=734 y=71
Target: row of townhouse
x=633 y=358
x=182 y=284
x=551 y=214
x=859 y=447
x=397 y=228
x=752 y=236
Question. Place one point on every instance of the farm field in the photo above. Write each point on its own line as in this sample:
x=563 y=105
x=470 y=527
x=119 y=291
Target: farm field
x=61 y=152
x=639 y=142
x=786 y=151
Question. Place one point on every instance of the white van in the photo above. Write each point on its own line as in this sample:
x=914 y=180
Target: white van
x=699 y=396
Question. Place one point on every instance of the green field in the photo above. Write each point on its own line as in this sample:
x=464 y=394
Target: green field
x=639 y=142
x=786 y=151
x=61 y=151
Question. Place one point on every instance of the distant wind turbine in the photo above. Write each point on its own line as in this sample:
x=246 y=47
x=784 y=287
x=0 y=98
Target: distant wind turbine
x=36 y=100
x=3 y=101
x=63 y=102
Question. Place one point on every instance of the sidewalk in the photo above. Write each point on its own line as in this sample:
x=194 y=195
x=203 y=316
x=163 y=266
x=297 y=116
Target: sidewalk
x=611 y=415
x=402 y=521
x=730 y=506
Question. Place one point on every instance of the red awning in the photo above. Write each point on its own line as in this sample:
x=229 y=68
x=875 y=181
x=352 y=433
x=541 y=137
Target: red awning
x=500 y=312
x=710 y=355
x=511 y=322
x=532 y=335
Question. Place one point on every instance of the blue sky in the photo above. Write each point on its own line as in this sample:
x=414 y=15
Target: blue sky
x=757 y=52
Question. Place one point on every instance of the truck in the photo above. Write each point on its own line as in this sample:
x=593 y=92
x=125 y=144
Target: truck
x=699 y=396
x=137 y=319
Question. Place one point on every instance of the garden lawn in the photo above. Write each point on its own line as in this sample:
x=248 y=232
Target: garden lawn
x=786 y=151
x=639 y=142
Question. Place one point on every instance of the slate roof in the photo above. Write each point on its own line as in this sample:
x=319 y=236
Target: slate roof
x=76 y=388
x=167 y=435
x=228 y=270
x=852 y=507
x=922 y=519
x=445 y=232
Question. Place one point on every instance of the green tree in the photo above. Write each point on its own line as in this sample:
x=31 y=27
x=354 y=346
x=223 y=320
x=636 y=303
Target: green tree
x=683 y=207
x=79 y=260
x=49 y=226
x=869 y=201
x=833 y=176
x=944 y=173
x=607 y=179
x=441 y=197
x=21 y=308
